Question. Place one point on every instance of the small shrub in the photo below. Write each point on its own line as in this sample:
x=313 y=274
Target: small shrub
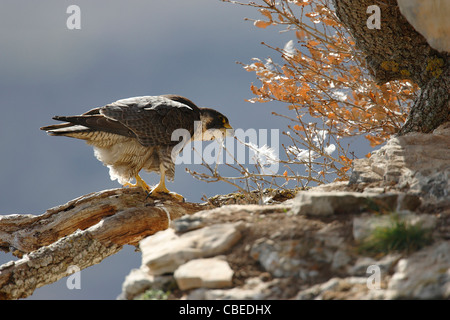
x=399 y=236
x=154 y=294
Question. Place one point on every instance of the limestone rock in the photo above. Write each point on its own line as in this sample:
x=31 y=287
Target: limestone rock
x=136 y=282
x=363 y=173
x=417 y=163
x=253 y=289
x=187 y=223
x=305 y=247
x=336 y=288
x=165 y=251
x=139 y=280
x=316 y=203
x=325 y=204
x=300 y=257
x=385 y=264
x=204 y=273
x=423 y=275
x=429 y=18
x=340 y=260
x=283 y=258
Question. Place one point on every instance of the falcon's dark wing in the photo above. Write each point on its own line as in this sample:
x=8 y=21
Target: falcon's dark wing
x=90 y=121
x=153 y=119
x=150 y=119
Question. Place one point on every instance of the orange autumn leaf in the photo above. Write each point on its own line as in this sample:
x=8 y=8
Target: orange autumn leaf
x=266 y=13
x=330 y=22
x=302 y=2
x=345 y=159
x=300 y=34
x=332 y=116
x=313 y=43
x=262 y=24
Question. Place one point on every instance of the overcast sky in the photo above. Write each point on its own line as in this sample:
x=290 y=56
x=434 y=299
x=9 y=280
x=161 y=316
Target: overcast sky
x=123 y=49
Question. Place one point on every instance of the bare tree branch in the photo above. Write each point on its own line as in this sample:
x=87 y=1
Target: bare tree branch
x=81 y=232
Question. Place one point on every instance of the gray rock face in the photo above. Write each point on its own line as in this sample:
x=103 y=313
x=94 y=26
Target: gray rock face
x=165 y=251
x=416 y=163
x=423 y=275
x=307 y=247
x=319 y=203
x=204 y=273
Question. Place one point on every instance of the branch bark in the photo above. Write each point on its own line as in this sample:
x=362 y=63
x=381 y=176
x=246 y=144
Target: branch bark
x=82 y=232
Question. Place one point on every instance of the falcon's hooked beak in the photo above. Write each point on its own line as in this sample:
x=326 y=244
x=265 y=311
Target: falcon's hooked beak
x=228 y=129
x=226 y=125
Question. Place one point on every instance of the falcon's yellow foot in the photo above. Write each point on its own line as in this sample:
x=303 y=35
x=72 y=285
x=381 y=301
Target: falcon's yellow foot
x=160 y=190
x=139 y=183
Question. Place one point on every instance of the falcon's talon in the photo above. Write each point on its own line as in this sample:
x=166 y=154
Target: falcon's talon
x=178 y=197
x=161 y=190
x=139 y=184
x=174 y=195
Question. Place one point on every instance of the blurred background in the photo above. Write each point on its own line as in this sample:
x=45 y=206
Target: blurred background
x=123 y=49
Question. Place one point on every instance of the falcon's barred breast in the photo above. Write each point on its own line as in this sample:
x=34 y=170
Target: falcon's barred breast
x=136 y=133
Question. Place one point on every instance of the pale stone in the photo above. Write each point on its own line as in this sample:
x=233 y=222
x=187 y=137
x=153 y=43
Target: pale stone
x=385 y=264
x=417 y=163
x=423 y=275
x=336 y=288
x=204 y=273
x=253 y=289
x=281 y=258
x=165 y=251
x=187 y=223
x=136 y=282
x=338 y=202
x=340 y=260
x=431 y=19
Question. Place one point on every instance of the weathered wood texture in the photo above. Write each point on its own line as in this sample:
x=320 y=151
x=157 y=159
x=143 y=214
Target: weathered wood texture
x=81 y=232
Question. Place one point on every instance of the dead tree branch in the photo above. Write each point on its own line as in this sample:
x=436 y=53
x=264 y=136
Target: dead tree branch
x=82 y=232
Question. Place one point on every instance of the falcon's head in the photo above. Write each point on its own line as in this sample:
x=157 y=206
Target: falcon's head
x=214 y=124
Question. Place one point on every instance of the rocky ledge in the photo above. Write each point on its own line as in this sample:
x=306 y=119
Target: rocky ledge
x=319 y=244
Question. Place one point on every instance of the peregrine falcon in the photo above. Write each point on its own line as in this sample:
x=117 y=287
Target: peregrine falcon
x=136 y=133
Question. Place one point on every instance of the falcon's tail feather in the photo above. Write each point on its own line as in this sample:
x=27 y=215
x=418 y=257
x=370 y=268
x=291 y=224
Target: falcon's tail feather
x=83 y=126
x=68 y=129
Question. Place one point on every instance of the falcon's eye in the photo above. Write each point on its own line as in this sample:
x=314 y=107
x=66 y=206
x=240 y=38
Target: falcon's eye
x=223 y=119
